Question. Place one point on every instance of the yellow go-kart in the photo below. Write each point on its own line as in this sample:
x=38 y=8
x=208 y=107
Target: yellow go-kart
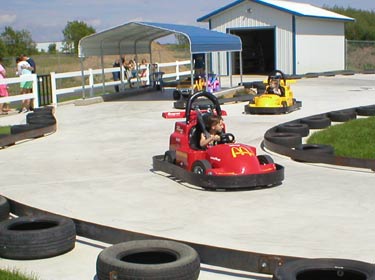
x=276 y=99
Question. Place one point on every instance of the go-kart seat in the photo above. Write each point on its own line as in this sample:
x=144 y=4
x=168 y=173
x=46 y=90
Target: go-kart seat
x=195 y=137
x=197 y=130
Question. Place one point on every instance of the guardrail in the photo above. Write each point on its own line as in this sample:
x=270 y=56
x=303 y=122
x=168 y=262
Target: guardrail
x=89 y=76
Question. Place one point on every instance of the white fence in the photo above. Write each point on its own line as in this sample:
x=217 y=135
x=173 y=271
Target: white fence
x=20 y=97
x=89 y=77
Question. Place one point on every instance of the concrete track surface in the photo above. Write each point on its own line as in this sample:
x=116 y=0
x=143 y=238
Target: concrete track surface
x=98 y=167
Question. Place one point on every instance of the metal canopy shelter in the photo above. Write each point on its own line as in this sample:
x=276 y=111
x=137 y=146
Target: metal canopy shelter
x=136 y=38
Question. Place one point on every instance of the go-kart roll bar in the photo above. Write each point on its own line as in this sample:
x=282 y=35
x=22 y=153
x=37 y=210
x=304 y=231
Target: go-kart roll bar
x=201 y=94
x=274 y=73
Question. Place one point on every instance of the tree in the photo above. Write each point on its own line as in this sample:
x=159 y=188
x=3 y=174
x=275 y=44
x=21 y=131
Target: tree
x=52 y=48
x=363 y=28
x=17 y=42
x=75 y=31
x=182 y=40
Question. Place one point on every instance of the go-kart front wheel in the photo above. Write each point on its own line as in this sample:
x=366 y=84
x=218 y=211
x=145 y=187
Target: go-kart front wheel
x=265 y=159
x=200 y=167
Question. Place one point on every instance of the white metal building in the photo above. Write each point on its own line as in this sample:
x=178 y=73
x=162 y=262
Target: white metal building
x=295 y=38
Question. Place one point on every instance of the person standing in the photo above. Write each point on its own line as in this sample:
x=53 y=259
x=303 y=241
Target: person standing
x=30 y=61
x=3 y=89
x=116 y=75
x=33 y=71
x=199 y=64
x=24 y=68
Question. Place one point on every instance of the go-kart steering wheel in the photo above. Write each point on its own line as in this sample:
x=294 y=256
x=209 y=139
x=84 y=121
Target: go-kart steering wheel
x=226 y=138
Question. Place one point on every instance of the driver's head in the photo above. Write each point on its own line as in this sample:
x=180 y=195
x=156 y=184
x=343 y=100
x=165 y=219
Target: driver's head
x=274 y=82
x=214 y=123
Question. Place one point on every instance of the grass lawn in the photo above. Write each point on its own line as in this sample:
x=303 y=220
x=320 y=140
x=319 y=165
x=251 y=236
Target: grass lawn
x=350 y=139
x=13 y=274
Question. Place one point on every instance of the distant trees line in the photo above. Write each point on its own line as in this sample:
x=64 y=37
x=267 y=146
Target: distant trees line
x=363 y=28
x=14 y=42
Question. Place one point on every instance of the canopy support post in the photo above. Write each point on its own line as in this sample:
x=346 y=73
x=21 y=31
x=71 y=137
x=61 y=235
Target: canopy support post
x=241 y=69
x=83 y=78
x=102 y=65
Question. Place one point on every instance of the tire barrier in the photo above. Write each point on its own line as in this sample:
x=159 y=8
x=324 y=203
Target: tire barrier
x=317 y=122
x=36 y=237
x=4 y=208
x=342 y=115
x=366 y=111
x=286 y=139
x=286 y=145
x=294 y=127
x=148 y=259
x=210 y=255
x=38 y=123
x=329 y=269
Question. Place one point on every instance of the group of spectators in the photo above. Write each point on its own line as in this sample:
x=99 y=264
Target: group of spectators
x=25 y=66
x=130 y=70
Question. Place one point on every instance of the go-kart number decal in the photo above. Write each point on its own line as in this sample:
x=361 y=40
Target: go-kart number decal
x=241 y=151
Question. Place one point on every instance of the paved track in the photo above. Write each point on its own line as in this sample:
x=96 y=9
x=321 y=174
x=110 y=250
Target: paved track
x=97 y=167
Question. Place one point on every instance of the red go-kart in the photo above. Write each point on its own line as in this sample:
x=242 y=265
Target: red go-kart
x=227 y=165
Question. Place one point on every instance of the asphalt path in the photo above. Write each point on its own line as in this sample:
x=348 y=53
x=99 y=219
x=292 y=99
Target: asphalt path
x=98 y=167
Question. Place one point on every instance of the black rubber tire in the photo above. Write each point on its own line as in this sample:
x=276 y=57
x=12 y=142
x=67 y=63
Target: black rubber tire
x=311 y=75
x=317 y=122
x=40 y=119
x=294 y=127
x=148 y=259
x=28 y=238
x=176 y=95
x=4 y=208
x=286 y=139
x=170 y=156
x=366 y=110
x=200 y=166
x=19 y=128
x=48 y=110
x=342 y=116
x=328 y=269
x=264 y=159
x=316 y=148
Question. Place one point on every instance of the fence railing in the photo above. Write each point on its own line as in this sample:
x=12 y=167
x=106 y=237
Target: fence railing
x=93 y=79
x=90 y=77
x=20 y=97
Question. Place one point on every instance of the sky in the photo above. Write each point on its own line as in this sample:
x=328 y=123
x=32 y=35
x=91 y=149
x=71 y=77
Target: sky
x=46 y=19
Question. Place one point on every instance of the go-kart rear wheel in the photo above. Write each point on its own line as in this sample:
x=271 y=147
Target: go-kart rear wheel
x=170 y=156
x=200 y=167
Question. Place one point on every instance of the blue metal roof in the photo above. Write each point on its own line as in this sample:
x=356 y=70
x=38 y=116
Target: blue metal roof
x=136 y=37
x=294 y=8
